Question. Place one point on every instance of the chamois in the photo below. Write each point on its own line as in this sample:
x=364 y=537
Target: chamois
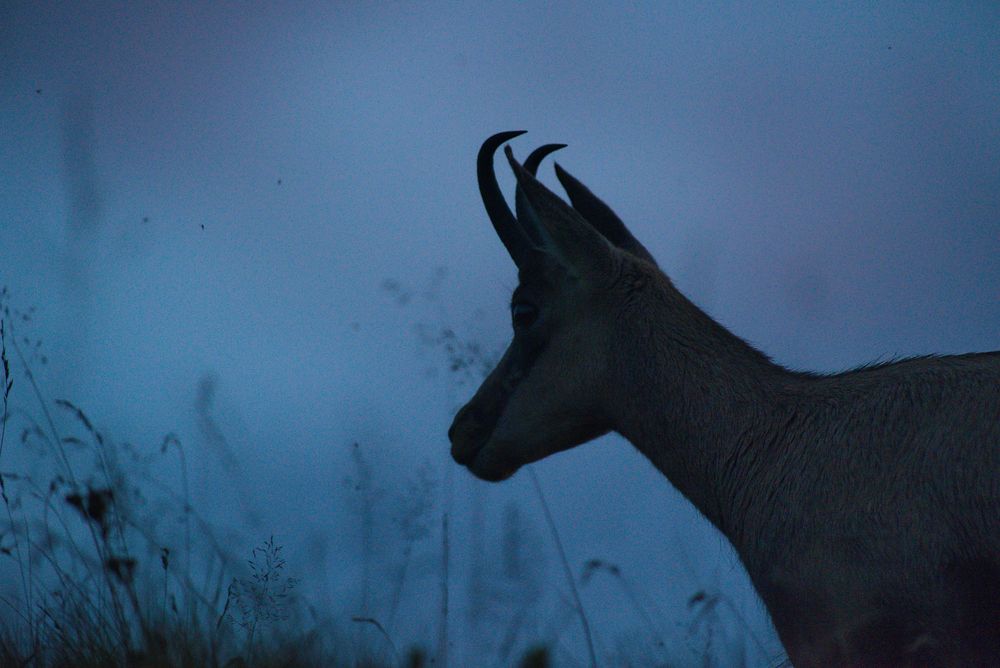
x=864 y=505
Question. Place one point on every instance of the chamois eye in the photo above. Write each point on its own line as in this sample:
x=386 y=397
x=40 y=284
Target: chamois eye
x=523 y=314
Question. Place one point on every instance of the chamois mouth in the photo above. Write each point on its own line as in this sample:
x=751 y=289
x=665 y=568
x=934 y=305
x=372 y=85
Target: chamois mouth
x=465 y=454
x=489 y=466
x=473 y=447
x=468 y=437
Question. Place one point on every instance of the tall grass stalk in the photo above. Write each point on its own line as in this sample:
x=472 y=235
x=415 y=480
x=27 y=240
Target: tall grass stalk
x=8 y=384
x=168 y=440
x=599 y=565
x=442 y=650
x=566 y=568
x=381 y=629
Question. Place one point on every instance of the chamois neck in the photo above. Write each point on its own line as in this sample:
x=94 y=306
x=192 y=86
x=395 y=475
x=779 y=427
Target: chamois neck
x=698 y=403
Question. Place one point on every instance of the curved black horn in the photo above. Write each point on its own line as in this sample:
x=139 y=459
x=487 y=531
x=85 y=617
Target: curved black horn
x=536 y=157
x=513 y=237
x=524 y=217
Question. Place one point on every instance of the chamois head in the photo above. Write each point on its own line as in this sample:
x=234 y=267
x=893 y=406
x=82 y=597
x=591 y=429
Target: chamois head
x=549 y=392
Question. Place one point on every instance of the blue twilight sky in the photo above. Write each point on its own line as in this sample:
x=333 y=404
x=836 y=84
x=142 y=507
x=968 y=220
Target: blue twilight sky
x=241 y=222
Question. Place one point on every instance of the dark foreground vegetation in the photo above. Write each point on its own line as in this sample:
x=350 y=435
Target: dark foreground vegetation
x=103 y=563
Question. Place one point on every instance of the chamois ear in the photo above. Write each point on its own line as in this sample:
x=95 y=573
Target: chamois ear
x=601 y=216
x=564 y=232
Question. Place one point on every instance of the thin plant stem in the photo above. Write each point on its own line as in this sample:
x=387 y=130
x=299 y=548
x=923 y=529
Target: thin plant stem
x=397 y=590
x=168 y=440
x=381 y=629
x=7 y=384
x=565 y=563
x=442 y=657
x=57 y=441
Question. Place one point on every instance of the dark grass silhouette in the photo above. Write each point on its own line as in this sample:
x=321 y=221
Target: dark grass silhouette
x=103 y=580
